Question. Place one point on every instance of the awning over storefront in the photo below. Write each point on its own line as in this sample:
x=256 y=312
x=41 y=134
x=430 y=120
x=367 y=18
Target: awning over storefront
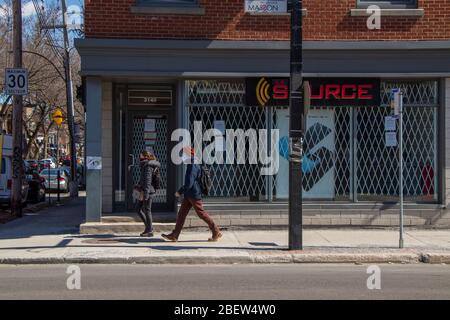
x=200 y=58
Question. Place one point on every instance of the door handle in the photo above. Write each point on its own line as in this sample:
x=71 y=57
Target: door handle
x=133 y=163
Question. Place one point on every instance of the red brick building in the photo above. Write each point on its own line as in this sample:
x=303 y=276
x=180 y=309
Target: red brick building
x=154 y=66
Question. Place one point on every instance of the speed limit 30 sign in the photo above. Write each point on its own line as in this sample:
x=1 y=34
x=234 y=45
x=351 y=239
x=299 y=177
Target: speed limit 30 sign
x=16 y=82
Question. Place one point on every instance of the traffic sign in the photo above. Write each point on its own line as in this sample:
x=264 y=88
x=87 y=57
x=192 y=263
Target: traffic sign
x=57 y=117
x=16 y=82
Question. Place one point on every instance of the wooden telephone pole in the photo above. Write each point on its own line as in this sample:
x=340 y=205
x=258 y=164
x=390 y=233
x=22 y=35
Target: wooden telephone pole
x=17 y=161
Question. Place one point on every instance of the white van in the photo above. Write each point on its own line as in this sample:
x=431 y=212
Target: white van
x=6 y=173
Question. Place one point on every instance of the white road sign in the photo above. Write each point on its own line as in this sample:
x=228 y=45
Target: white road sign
x=16 y=82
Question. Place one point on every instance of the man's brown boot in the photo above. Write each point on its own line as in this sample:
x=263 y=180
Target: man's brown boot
x=216 y=236
x=170 y=237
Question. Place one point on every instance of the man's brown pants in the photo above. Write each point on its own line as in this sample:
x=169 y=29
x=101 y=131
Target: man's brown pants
x=186 y=205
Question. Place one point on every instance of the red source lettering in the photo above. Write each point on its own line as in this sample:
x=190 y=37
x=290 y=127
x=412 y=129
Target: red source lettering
x=344 y=92
x=280 y=90
x=349 y=91
x=363 y=92
x=333 y=90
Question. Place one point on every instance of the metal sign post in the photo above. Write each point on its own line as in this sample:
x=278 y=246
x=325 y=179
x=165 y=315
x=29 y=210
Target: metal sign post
x=398 y=111
x=400 y=102
x=58 y=118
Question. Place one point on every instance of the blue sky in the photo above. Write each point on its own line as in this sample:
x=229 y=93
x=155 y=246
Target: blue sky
x=28 y=7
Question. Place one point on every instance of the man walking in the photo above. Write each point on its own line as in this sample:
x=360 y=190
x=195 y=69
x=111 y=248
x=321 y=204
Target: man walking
x=192 y=198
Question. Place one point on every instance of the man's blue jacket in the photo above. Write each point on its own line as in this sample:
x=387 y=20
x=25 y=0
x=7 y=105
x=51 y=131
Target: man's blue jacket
x=191 y=187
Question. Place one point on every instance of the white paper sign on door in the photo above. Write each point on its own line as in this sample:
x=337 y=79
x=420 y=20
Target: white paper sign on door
x=391 y=139
x=390 y=123
x=150 y=125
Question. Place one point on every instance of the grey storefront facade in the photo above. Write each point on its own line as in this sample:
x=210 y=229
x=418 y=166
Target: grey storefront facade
x=142 y=90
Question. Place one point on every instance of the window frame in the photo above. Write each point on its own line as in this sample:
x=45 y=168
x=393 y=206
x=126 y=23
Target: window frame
x=389 y=4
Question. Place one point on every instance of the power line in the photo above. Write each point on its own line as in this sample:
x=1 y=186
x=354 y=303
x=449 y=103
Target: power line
x=43 y=23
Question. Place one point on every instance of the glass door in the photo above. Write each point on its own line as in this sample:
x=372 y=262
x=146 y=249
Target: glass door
x=150 y=131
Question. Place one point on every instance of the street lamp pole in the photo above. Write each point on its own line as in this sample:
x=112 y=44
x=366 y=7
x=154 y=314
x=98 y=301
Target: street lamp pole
x=296 y=129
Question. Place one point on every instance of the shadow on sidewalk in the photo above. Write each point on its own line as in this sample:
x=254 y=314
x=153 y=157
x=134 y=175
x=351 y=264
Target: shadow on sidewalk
x=55 y=220
x=121 y=242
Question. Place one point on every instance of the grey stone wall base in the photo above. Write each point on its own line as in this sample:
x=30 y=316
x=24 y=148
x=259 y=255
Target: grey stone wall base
x=278 y=219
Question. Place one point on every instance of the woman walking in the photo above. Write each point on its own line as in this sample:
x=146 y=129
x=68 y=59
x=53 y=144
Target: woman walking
x=148 y=165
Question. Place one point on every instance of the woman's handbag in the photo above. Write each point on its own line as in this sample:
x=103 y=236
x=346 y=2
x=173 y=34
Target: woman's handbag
x=138 y=193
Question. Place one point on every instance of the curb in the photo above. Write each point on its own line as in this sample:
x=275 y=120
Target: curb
x=435 y=258
x=245 y=258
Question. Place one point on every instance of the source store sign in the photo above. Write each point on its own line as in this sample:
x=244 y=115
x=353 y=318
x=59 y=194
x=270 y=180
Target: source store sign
x=266 y=6
x=324 y=91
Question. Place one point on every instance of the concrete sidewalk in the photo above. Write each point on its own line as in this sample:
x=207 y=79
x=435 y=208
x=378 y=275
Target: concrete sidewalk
x=51 y=236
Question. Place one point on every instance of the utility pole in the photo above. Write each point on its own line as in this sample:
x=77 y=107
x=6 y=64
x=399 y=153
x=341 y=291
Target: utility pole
x=73 y=186
x=17 y=176
x=296 y=129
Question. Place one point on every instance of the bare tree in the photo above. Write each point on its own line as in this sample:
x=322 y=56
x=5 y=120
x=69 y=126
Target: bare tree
x=46 y=79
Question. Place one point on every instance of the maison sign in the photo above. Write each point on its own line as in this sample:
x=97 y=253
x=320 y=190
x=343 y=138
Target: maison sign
x=266 y=6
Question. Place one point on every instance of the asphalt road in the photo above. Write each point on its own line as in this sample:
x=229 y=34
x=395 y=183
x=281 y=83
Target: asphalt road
x=225 y=282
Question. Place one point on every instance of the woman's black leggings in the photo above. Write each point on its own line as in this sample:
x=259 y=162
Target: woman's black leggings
x=145 y=213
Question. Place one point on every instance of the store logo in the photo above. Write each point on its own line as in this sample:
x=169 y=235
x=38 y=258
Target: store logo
x=262 y=92
x=267 y=92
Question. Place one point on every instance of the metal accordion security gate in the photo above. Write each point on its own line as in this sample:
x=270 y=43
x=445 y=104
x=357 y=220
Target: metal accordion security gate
x=346 y=158
x=159 y=149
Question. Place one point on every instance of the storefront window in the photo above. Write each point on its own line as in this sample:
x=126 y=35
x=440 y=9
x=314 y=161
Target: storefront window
x=346 y=157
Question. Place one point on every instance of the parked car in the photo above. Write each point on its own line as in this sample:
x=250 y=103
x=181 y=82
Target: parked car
x=6 y=174
x=31 y=166
x=46 y=164
x=51 y=179
x=51 y=161
x=36 y=191
x=79 y=174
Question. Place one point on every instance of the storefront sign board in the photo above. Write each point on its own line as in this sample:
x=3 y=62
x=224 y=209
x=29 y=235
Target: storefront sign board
x=323 y=91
